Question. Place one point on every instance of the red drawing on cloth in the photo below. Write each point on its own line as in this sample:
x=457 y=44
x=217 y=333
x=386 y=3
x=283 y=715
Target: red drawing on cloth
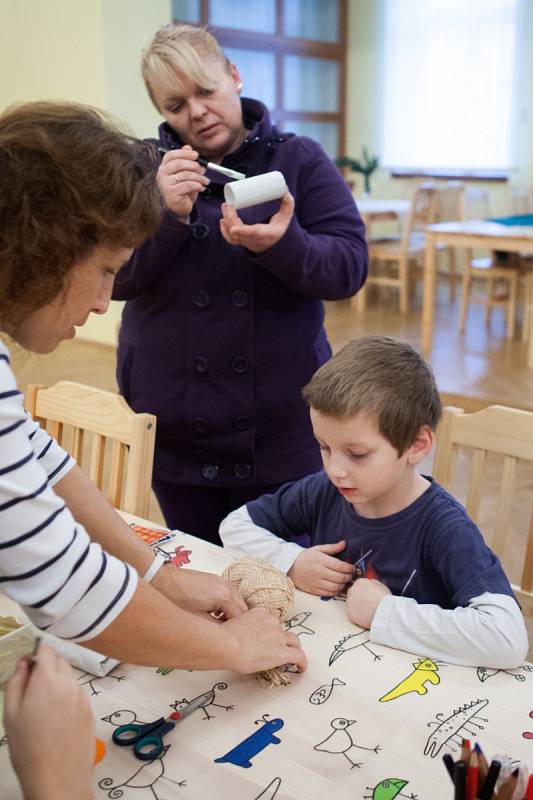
x=371 y=572
x=528 y=734
x=181 y=557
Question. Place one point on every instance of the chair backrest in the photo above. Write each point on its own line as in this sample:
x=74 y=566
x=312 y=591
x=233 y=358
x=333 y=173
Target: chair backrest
x=422 y=210
x=507 y=432
x=82 y=419
x=449 y=201
x=521 y=199
x=477 y=203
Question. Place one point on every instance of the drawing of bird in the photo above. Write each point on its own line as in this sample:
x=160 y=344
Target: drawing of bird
x=351 y=642
x=388 y=789
x=207 y=698
x=296 y=624
x=145 y=777
x=340 y=741
x=123 y=716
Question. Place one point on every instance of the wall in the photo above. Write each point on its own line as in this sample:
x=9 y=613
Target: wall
x=364 y=78
x=88 y=52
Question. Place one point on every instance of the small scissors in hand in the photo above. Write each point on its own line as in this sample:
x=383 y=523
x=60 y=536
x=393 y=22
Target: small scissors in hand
x=147 y=740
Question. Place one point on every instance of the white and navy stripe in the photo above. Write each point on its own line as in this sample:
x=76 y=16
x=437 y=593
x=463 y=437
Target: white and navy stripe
x=66 y=584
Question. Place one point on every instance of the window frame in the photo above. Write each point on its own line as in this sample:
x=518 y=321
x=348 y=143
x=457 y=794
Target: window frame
x=281 y=46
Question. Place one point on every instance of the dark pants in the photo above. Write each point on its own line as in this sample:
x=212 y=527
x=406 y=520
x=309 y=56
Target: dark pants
x=199 y=510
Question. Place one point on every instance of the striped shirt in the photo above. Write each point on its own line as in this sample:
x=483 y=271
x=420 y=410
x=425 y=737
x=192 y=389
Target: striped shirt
x=66 y=584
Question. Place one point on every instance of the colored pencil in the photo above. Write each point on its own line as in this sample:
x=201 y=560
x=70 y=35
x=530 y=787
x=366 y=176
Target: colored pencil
x=460 y=771
x=506 y=790
x=483 y=764
x=465 y=751
x=472 y=777
x=449 y=764
x=490 y=780
x=529 y=789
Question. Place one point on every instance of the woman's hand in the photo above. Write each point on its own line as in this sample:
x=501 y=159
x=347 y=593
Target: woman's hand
x=50 y=730
x=363 y=600
x=317 y=571
x=257 y=238
x=180 y=179
x=260 y=643
x=200 y=592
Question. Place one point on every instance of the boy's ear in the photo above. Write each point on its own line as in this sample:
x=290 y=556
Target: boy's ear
x=421 y=446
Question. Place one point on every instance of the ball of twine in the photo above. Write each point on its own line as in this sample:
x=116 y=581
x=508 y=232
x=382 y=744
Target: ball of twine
x=263 y=585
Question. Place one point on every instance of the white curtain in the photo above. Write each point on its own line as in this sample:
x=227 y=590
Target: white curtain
x=448 y=83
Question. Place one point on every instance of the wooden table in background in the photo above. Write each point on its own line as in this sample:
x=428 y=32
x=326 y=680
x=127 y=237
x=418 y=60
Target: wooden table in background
x=380 y=210
x=471 y=234
x=331 y=734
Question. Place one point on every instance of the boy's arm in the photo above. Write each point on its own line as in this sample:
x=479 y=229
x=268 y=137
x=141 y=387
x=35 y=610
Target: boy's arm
x=241 y=536
x=489 y=632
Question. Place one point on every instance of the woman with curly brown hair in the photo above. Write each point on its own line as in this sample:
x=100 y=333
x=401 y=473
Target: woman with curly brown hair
x=76 y=196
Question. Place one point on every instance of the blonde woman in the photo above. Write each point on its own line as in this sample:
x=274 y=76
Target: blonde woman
x=223 y=322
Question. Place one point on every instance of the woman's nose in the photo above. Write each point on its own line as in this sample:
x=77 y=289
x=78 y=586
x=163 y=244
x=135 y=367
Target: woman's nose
x=197 y=107
x=101 y=304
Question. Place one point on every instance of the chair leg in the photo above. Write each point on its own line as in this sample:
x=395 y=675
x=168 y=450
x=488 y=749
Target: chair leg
x=488 y=301
x=360 y=299
x=511 y=305
x=526 y=318
x=465 y=297
x=404 y=285
x=453 y=271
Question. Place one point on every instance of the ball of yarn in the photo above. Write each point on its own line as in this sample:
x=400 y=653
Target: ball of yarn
x=262 y=585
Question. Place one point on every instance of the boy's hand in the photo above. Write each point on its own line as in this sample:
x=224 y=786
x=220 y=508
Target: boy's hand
x=317 y=571
x=363 y=600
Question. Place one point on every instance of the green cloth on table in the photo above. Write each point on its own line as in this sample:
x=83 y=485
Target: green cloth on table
x=515 y=219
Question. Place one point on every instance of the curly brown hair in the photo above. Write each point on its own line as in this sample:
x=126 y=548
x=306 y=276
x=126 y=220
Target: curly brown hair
x=70 y=180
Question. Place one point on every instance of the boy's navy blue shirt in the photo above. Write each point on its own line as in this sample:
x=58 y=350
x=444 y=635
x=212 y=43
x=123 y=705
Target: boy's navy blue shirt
x=431 y=551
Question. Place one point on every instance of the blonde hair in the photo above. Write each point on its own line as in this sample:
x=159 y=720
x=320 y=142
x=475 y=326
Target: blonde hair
x=180 y=49
x=381 y=376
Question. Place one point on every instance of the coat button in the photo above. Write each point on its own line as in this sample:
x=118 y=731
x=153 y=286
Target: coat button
x=206 y=194
x=200 y=425
x=240 y=364
x=200 y=231
x=200 y=299
x=242 y=471
x=242 y=422
x=210 y=471
x=239 y=298
x=201 y=364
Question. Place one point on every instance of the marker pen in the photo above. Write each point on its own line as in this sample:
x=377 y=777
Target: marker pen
x=229 y=173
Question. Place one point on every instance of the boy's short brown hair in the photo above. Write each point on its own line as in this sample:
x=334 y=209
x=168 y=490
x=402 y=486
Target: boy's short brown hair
x=71 y=180
x=382 y=376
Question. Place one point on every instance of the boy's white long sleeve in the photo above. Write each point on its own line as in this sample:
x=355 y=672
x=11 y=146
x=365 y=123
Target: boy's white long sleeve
x=242 y=537
x=489 y=632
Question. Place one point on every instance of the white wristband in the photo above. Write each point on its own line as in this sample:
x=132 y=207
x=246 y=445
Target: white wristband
x=154 y=567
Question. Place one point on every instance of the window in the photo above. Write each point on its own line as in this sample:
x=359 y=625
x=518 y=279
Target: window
x=291 y=55
x=448 y=85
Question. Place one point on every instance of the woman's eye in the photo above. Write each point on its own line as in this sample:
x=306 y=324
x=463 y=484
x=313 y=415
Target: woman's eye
x=204 y=92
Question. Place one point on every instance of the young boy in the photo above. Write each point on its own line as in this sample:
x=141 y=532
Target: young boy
x=423 y=579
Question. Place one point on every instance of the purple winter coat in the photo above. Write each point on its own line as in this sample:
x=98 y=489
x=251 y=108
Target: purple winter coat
x=217 y=341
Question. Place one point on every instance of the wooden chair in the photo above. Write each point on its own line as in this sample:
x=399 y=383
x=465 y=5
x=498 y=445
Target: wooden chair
x=69 y=411
x=399 y=255
x=449 y=207
x=501 y=277
x=507 y=432
x=521 y=199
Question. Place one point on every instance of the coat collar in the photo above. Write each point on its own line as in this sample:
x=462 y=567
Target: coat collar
x=256 y=119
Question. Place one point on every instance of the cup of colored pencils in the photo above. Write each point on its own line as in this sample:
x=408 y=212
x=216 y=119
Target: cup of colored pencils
x=473 y=777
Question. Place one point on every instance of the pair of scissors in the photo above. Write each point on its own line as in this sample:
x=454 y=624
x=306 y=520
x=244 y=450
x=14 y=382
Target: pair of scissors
x=147 y=739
